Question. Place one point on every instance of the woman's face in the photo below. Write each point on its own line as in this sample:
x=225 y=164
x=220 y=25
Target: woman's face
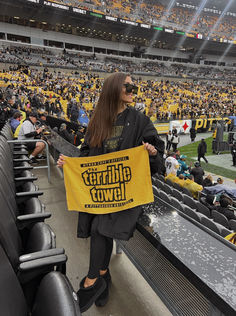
x=126 y=97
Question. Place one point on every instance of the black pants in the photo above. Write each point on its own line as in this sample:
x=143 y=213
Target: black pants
x=234 y=159
x=174 y=146
x=168 y=145
x=202 y=156
x=100 y=251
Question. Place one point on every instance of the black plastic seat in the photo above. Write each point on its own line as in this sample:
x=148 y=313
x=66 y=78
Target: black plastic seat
x=211 y=225
x=201 y=208
x=176 y=204
x=220 y=218
x=24 y=234
x=164 y=197
x=191 y=213
x=187 y=192
x=159 y=184
x=155 y=191
x=54 y=294
x=177 y=194
x=170 y=183
x=189 y=201
x=167 y=189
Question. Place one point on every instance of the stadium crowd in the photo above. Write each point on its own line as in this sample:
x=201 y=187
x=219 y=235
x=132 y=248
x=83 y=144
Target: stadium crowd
x=162 y=100
x=76 y=61
x=154 y=12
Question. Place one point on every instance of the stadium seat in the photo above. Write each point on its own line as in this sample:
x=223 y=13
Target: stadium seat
x=176 y=204
x=161 y=177
x=191 y=213
x=177 y=195
x=189 y=201
x=220 y=218
x=170 y=183
x=23 y=235
x=211 y=225
x=186 y=191
x=164 y=197
x=223 y=230
x=232 y=224
x=201 y=208
x=177 y=186
x=54 y=294
x=167 y=189
x=155 y=190
x=159 y=184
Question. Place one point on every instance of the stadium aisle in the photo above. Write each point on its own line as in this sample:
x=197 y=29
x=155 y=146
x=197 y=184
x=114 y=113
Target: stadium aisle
x=130 y=293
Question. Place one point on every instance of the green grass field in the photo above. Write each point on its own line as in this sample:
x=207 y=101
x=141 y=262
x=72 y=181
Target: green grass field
x=191 y=151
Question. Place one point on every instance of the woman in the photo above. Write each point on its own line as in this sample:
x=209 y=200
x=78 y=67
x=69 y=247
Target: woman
x=114 y=126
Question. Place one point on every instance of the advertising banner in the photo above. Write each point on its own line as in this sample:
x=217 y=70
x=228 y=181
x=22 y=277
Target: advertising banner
x=108 y=183
x=182 y=126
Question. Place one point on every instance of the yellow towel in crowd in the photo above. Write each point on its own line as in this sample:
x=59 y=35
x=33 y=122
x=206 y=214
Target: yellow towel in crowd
x=108 y=183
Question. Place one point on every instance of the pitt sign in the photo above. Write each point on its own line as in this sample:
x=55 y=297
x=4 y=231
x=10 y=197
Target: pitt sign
x=108 y=183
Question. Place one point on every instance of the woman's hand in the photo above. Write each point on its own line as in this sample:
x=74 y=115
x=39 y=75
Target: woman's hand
x=61 y=161
x=150 y=148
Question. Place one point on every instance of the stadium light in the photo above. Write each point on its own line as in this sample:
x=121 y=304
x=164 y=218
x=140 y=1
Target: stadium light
x=213 y=29
x=157 y=33
x=189 y=28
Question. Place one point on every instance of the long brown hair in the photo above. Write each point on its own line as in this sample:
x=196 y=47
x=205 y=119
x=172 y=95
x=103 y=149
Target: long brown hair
x=104 y=116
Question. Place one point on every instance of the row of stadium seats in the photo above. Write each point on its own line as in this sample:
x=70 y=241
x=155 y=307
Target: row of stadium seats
x=194 y=209
x=32 y=275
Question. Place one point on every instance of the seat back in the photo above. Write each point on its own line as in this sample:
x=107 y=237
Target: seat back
x=170 y=183
x=210 y=224
x=189 y=201
x=186 y=191
x=201 y=208
x=220 y=218
x=10 y=238
x=191 y=213
x=155 y=191
x=177 y=194
x=164 y=197
x=64 y=303
x=159 y=184
x=168 y=189
x=176 y=204
x=12 y=300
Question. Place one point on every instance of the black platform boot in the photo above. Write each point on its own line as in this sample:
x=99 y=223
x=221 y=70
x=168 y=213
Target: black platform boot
x=103 y=298
x=88 y=295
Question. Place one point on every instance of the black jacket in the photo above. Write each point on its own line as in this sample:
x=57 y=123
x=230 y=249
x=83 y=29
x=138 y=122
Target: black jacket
x=121 y=225
x=202 y=148
x=198 y=174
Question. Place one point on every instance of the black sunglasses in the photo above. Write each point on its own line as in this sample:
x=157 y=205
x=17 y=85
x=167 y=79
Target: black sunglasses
x=131 y=88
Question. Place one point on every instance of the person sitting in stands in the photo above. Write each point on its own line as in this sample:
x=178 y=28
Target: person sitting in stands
x=208 y=181
x=63 y=132
x=197 y=172
x=224 y=207
x=27 y=131
x=183 y=167
x=173 y=178
x=192 y=186
x=171 y=164
x=15 y=121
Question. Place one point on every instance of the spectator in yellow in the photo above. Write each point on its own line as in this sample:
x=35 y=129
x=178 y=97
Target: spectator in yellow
x=192 y=186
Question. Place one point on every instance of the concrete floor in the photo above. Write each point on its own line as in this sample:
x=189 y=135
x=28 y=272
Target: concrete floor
x=130 y=294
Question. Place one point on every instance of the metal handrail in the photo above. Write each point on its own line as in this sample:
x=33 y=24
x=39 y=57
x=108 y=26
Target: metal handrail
x=22 y=141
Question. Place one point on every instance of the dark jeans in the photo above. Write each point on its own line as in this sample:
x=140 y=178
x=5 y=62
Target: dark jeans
x=174 y=146
x=234 y=160
x=202 y=156
x=100 y=251
x=168 y=145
